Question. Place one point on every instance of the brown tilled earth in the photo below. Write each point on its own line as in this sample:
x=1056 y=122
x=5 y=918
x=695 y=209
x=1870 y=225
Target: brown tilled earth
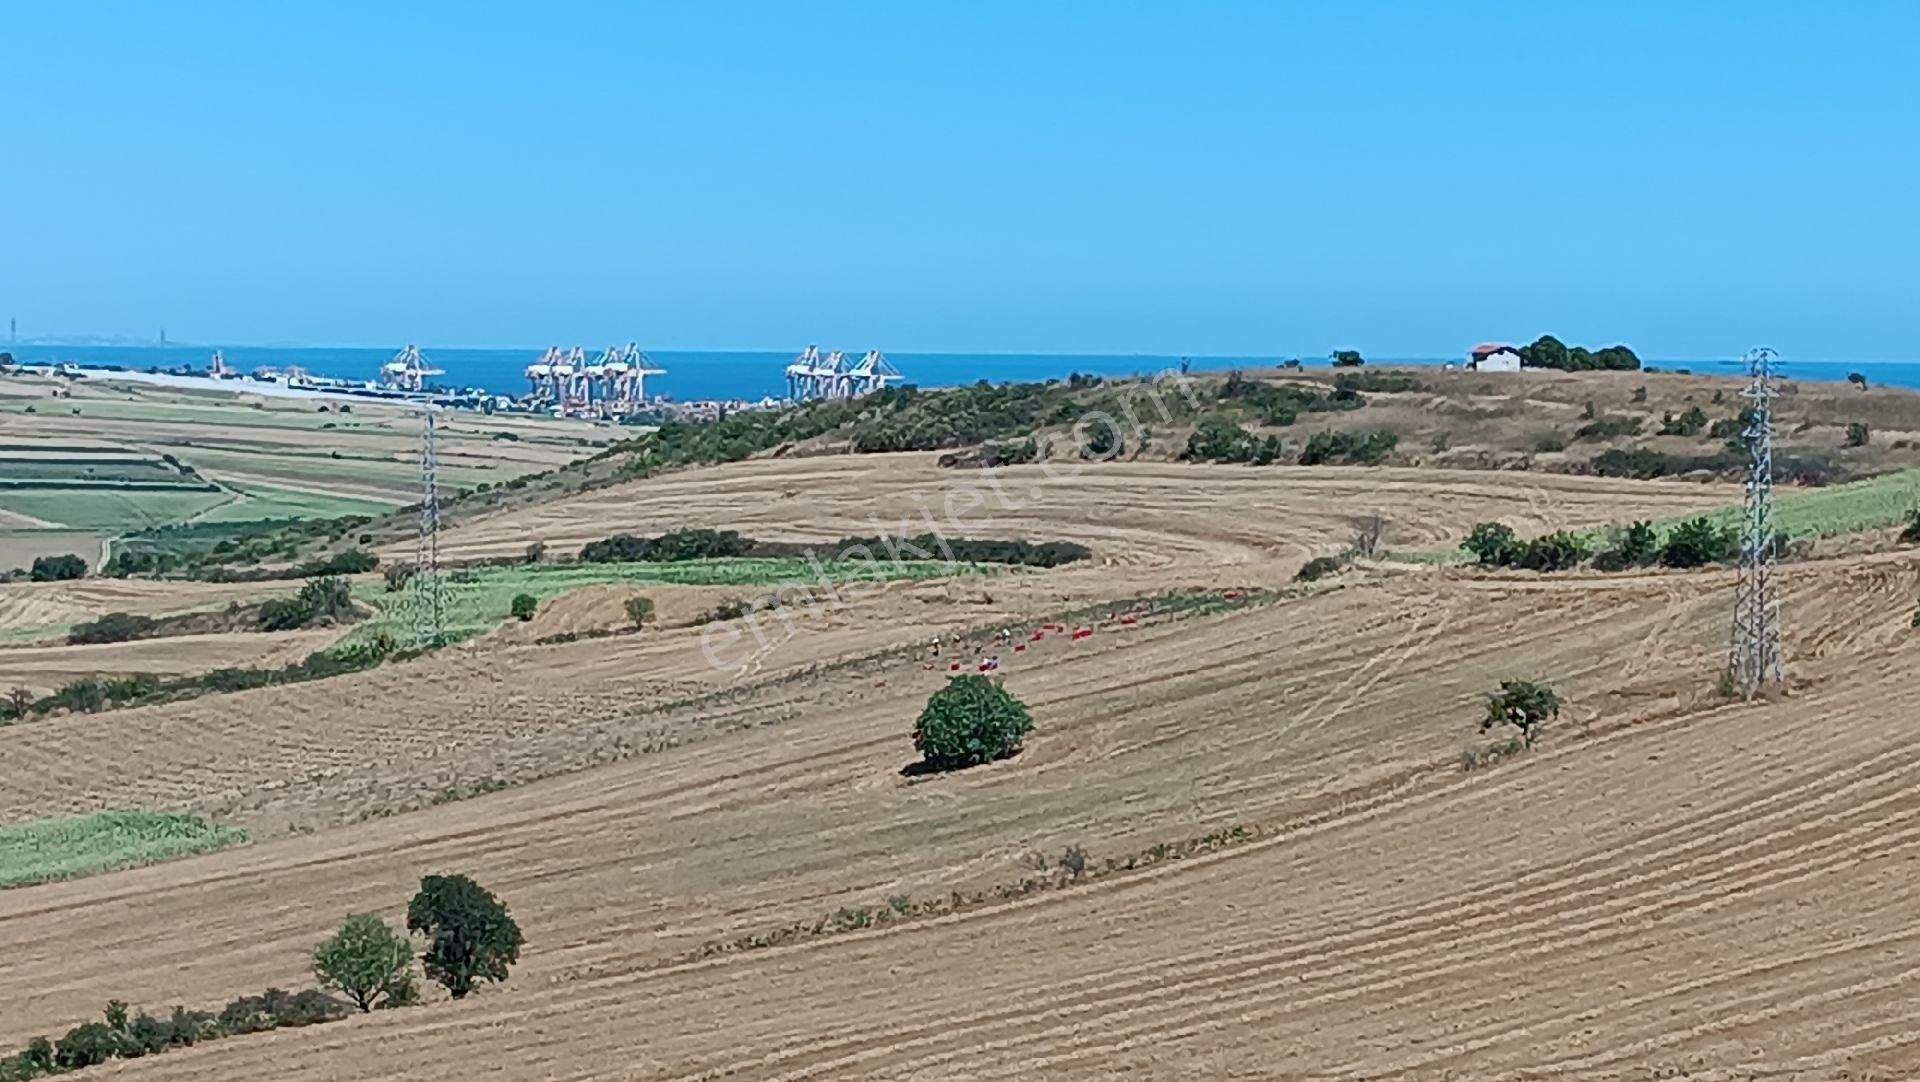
x=1671 y=886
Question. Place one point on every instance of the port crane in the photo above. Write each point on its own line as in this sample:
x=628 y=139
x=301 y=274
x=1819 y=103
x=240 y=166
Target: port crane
x=409 y=370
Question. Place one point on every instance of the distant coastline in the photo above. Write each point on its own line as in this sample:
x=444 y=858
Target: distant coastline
x=750 y=375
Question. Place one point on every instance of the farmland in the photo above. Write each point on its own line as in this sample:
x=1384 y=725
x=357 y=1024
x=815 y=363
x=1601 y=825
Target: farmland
x=154 y=456
x=50 y=849
x=1297 y=856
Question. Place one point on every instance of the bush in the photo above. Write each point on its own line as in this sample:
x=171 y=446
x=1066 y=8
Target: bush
x=1317 y=568
x=969 y=722
x=639 y=610
x=1348 y=358
x=1351 y=448
x=1911 y=534
x=470 y=935
x=113 y=627
x=1524 y=705
x=1858 y=434
x=397 y=576
x=1549 y=352
x=1491 y=543
x=1217 y=439
x=1698 y=542
x=1556 y=551
x=1689 y=423
x=368 y=961
x=57 y=568
x=1638 y=546
x=1606 y=428
x=524 y=606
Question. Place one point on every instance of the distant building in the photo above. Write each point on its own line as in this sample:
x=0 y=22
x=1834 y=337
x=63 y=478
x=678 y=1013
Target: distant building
x=1494 y=357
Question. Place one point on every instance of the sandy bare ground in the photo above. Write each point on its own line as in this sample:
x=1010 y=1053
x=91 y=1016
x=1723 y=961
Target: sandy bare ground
x=1687 y=886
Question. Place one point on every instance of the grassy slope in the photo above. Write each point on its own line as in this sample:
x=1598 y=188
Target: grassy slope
x=112 y=510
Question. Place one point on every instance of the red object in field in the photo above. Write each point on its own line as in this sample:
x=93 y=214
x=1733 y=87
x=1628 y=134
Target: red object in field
x=1129 y=621
x=1019 y=647
x=956 y=667
x=1038 y=634
x=1082 y=633
x=1231 y=595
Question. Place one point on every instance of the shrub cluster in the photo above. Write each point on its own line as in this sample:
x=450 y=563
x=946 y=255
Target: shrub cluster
x=1691 y=422
x=1318 y=568
x=124 y=1036
x=350 y=562
x=1494 y=544
x=966 y=550
x=92 y=694
x=1350 y=448
x=1694 y=543
x=57 y=568
x=1549 y=352
x=327 y=597
x=1609 y=427
x=667 y=548
x=1217 y=439
x=113 y=627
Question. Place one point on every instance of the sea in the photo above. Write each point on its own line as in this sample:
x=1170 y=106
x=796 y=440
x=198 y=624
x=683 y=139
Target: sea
x=750 y=376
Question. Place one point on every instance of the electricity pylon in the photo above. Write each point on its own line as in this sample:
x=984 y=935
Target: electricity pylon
x=1755 y=662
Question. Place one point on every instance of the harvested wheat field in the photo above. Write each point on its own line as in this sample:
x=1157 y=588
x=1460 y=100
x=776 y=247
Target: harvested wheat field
x=1164 y=516
x=1288 y=872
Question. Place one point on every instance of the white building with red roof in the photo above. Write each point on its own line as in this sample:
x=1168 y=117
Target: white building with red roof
x=1494 y=357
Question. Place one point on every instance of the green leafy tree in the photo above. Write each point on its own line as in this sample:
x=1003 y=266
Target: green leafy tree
x=524 y=606
x=470 y=936
x=1911 y=534
x=57 y=568
x=1857 y=380
x=1639 y=546
x=1347 y=358
x=640 y=610
x=368 y=962
x=1523 y=704
x=1491 y=543
x=970 y=721
x=1858 y=434
x=1699 y=542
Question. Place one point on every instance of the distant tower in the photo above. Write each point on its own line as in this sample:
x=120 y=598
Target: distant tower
x=163 y=338
x=430 y=611
x=13 y=330
x=1755 y=662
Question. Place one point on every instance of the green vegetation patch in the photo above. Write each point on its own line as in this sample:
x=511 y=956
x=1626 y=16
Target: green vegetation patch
x=48 y=849
x=258 y=502
x=118 y=510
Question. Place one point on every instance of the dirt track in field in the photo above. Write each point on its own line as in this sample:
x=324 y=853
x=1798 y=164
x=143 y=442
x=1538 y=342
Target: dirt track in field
x=1688 y=885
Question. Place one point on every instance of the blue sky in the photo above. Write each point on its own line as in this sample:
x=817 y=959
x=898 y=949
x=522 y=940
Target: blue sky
x=1251 y=179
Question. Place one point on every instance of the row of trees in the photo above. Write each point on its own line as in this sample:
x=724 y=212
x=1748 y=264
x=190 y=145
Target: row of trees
x=1696 y=542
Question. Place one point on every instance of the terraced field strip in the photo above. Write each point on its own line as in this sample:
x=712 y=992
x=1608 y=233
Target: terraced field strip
x=50 y=849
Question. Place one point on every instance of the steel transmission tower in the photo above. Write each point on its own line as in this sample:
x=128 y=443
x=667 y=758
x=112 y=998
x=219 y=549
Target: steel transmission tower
x=430 y=610
x=1755 y=661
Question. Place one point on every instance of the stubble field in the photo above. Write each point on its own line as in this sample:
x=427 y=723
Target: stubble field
x=1669 y=884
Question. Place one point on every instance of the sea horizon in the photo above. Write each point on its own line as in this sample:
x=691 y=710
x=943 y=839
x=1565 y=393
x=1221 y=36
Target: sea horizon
x=750 y=375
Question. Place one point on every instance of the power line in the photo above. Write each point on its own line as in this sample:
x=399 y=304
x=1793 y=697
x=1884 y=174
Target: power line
x=1756 y=661
x=430 y=609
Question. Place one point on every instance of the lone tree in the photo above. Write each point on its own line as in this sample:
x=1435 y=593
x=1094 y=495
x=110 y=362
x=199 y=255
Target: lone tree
x=1522 y=704
x=524 y=606
x=1491 y=543
x=470 y=937
x=639 y=610
x=970 y=721
x=369 y=962
x=1347 y=358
